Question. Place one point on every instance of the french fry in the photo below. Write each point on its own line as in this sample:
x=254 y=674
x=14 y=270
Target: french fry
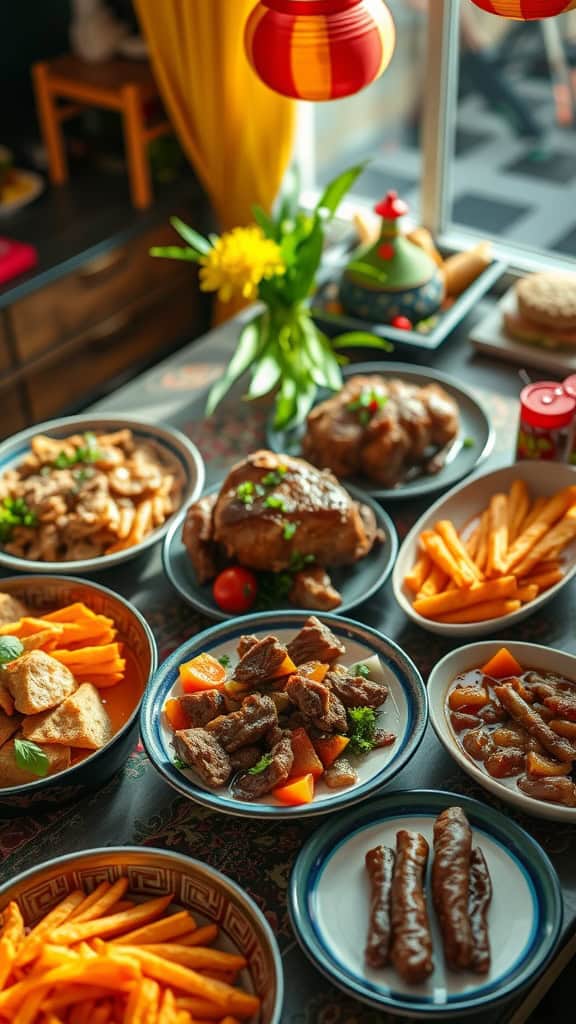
x=10 y=940
x=77 y=931
x=543 y=580
x=532 y=514
x=106 y=899
x=142 y=522
x=481 y=557
x=197 y=957
x=561 y=534
x=518 y=505
x=143 y=1003
x=472 y=543
x=415 y=578
x=447 y=531
x=439 y=553
x=435 y=582
x=57 y=916
x=167 y=1012
x=451 y=601
x=100 y=971
x=61 y=999
x=497 y=535
x=552 y=511
x=482 y=612
x=199 y=1008
x=30 y=1007
x=527 y=592
x=201 y=937
x=90 y=900
x=122 y=905
x=161 y=931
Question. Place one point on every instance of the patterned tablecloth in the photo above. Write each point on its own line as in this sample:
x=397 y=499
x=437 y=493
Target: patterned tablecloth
x=138 y=807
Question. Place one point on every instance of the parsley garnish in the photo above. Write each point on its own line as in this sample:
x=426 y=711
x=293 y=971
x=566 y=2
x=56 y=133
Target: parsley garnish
x=179 y=763
x=362 y=730
x=10 y=648
x=362 y=670
x=369 y=401
x=15 y=512
x=289 y=530
x=88 y=452
x=275 y=501
x=261 y=765
x=31 y=758
x=224 y=661
x=275 y=477
x=468 y=442
x=245 y=492
x=298 y=561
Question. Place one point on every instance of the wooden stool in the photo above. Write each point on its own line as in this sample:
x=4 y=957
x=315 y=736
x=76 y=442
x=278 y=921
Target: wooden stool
x=121 y=85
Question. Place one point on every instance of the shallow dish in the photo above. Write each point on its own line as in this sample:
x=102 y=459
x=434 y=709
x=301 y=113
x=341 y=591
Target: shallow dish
x=332 y=931
x=472 y=656
x=405 y=713
x=211 y=896
x=461 y=505
x=490 y=337
x=42 y=593
x=356 y=583
x=474 y=442
x=13 y=450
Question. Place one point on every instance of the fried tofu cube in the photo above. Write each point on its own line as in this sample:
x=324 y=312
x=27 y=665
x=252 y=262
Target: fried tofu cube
x=12 y=775
x=11 y=609
x=8 y=726
x=38 y=682
x=80 y=721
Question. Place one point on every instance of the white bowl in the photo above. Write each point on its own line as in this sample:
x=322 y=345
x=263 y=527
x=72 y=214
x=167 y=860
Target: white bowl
x=462 y=504
x=472 y=656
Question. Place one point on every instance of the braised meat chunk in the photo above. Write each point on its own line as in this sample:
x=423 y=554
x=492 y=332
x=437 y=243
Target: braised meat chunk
x=201 y=751
x=247 y=726
x=318 y=704
x=261 y=662
x=198 y=538
x=245 y=643
x=245 y=758
x=201 y=708
x=312 y=588
x=315 y=642
x=251 y=787
x=340 y=774
x=356 y=691
x=558 y=790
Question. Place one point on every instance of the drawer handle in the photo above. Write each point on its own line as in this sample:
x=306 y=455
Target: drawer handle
x=102 y=266
x=110 y=330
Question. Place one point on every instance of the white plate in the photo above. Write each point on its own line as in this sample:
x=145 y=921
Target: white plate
x=405 y=712
x=489 y=337
x=36 y=187
x=473 y=656
x=333 y=931
x=462 y=505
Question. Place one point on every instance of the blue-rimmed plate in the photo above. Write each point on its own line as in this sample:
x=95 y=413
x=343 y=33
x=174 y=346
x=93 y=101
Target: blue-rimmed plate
x=179 y=455
x=525 y=916
x=473 y=443
x=356 y=583
x=405 y=713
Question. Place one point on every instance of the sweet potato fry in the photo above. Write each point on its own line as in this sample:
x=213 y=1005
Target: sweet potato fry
x=518 y=505
x=482 y=612
x=415 y=578
x=61 y=999
x=57 y=916
x=527 y=592
x=472 y=543
x=551 y=511
x=497 y=535
x=167 y=1013
x=30 y=1007
x=77 y=931
x=481 y=556
x=439 y=553
x=197 y=957
x=100 y=971
x=164 y=930
x=90 y=900
x=447 y=531
x=101 y=905
x=10 y=940
x=200 y=937
x=561 y=534
x=544 y=581
x=435 y=582
x=442 y=604
x=199 y=1008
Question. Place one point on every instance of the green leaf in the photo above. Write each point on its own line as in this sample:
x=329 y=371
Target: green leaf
x=337 y=189
x=264 y=221
x=174 y=252
x=31 y=758
x=361 y=339
x=285 y=403
x=250 y=344
x=307 y=260
x=325 y=370
x=196 y=241
x=10 y=648
x=261 y=765
x=362 y=730
x=266 y=374
x=290 y=195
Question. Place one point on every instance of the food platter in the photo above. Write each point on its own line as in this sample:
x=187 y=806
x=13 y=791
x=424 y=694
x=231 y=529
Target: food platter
x=440 y=682
x=490 y=338
x=473 y=444
x=405 y=713
x=356 y=582
x=461 y=506
x=332 y=932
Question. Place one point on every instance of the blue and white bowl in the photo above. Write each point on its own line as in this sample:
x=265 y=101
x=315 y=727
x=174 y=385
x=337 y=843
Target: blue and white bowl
x=405 y=713
x=176 y=444
x=329 y=906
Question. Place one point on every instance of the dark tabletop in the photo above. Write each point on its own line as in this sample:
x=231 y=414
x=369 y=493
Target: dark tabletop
x=138 y=807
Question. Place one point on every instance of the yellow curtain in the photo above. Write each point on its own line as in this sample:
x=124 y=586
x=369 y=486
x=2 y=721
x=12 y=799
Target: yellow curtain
x=236 y=132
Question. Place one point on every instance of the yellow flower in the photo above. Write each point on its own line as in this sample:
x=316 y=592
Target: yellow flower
x=238 y=262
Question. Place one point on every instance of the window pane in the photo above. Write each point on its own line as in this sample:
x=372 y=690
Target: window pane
x=514 y=170
x=380 y=123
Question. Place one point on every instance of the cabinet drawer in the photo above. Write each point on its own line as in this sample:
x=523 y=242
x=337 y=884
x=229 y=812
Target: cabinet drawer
x=12 y=416
x=94 y=291
x=124 y=340
x=4 y=350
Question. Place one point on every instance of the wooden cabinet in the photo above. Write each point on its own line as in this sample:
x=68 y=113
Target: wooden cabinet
x=12 y=412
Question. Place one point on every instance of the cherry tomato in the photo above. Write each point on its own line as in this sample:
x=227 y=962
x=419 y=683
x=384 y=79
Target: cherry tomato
x=402 y=323
x=235 y=590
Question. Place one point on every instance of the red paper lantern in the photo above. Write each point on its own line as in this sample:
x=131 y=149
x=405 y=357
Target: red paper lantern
x=526 y=10
x=319 y=49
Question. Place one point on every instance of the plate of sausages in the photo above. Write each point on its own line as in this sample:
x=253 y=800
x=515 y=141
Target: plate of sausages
x=428 y=883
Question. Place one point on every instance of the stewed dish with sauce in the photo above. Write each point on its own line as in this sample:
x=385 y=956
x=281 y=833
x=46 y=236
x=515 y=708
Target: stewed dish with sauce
x=519 y=725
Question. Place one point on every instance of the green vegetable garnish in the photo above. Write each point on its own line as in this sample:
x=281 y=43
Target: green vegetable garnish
x=273 y=590
x=15 y=512
x=224 y=661
x=289 y=530
x=88 y=452
x=362 y=730
x=362 y=670
x=275 y=477
x=245 y=493
x=369 y=401
x=179 y=763
x=275 y=501
x=299 y=561
x=261 y=765
x=468 y=442
x=10 y=648
x=31 y=758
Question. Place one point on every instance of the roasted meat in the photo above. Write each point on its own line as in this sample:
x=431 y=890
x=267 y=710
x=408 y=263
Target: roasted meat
x=198 y=539
x=315 y=642
x=261 y=663
x=245 y=758
x=318 y=704
x=245 y=643
x=380 y=428
x=201 y=708
x=340 y=774
x=251 y=787
x=356 y=691
x=247 y=726
x=312 y=588
x=202 y=752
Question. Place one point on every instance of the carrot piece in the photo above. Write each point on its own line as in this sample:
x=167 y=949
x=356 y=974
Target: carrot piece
x=198 y=957
x=469 y=697
x=315 y=670
x=297 y=791
x=77 y=612
x=202 y=673
x=286 y=668
x=472 y=542
x=419 y=572
x=88 y=656
x=482 y=612
x=176 y=715
x=103 y=682
x=502 y=664
x=28 y=625
x=306 y=760
x=540 y=766
x=330 y=748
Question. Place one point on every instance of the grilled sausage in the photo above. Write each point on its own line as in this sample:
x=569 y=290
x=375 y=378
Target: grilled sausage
x=411 y=951
x=525 y=715
x=380 y=868
x=450 y=885
x=480 y=898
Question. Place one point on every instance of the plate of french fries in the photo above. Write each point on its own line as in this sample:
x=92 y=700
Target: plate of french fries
x=91 y=492
x=129 y=935
x=491 y=552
